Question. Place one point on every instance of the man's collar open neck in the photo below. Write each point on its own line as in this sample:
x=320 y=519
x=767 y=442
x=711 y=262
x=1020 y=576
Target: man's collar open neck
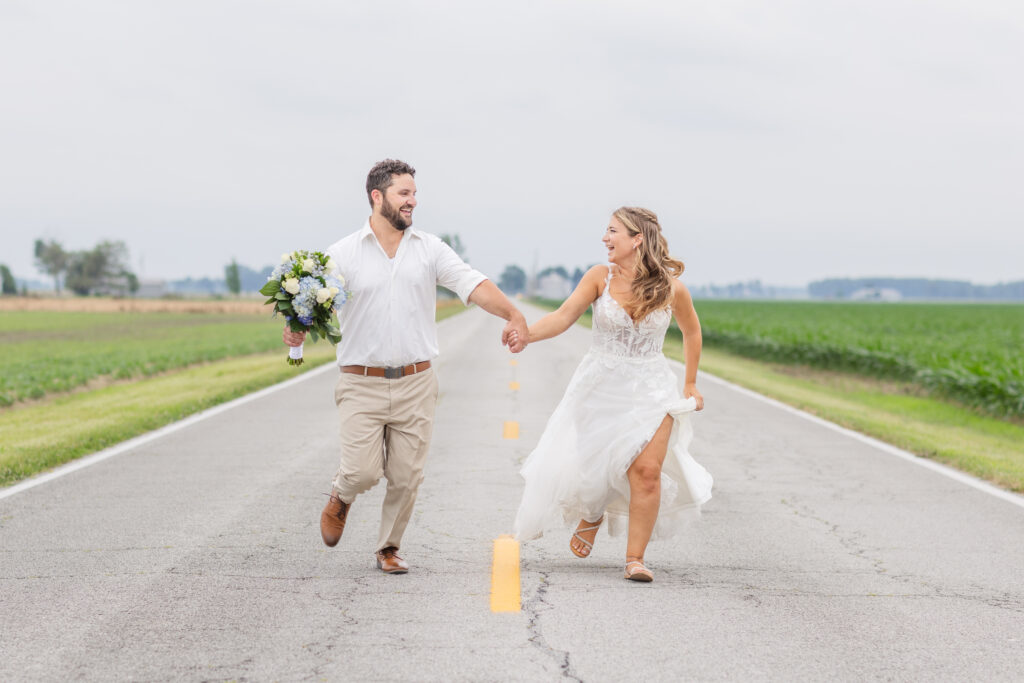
x=388 y=230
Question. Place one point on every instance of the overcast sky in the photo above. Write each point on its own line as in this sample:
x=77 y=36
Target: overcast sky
x=782 y=141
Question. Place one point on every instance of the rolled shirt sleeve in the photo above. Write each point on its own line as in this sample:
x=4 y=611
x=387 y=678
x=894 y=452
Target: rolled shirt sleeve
x=455 y=274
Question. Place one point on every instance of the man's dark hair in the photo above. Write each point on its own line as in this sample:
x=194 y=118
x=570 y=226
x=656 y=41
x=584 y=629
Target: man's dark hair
x=382 y=175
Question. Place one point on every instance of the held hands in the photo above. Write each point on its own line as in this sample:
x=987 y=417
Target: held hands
x=293 y=338
x=689 y=390
x=515 y=335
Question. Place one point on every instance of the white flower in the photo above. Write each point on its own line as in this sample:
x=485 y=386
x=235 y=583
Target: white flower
x=334 y=291
x=291 y=285
x=285 y=258
x=322 y=295
x=308 y=265
x=341 y=279
x=330 y=265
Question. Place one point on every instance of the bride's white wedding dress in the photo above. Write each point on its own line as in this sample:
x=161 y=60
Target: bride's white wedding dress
x=615 y=402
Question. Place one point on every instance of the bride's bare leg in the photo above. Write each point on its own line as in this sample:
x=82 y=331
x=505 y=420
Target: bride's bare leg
x=645 y=490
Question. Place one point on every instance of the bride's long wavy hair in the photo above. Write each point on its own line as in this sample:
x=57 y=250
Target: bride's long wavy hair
x=655 y=268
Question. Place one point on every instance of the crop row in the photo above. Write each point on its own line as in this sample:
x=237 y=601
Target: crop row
x=970 y=353
x=46 y=353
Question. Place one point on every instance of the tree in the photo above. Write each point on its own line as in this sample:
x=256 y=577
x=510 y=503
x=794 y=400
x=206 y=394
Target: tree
x=133 y=282
x=52 y=260
x=455 y=242
x=513 y=280
x=558 y=270
x=232 y=278
x=7 y=283
x=102 y=270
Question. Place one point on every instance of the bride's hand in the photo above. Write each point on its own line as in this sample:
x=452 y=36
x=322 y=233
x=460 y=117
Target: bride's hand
x=690 y=390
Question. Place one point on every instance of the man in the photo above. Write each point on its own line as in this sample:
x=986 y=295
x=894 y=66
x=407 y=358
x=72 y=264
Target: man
x=387 y=390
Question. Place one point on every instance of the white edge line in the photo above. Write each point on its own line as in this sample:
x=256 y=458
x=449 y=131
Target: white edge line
x=944 y=470
x=126 y=446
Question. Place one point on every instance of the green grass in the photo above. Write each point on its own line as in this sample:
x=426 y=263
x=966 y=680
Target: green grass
x=446 y=308
x=987 y=447
x=63 y=425
x=37 y=437
x=897 y=411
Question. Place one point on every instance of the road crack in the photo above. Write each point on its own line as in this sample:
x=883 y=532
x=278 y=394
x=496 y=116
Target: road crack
x=534 y=608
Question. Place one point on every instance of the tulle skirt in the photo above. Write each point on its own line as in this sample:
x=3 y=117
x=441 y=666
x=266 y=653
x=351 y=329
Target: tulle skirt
x=611 y=409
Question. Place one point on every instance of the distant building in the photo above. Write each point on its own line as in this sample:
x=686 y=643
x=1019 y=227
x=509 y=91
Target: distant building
x=152 y=289
x=553 y=286
x=875 y=294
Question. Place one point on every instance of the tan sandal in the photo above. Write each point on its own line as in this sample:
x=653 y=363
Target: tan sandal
x=588 y=546
x=636 y=571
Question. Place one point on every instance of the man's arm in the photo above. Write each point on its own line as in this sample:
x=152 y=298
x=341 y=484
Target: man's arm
x=487 y=296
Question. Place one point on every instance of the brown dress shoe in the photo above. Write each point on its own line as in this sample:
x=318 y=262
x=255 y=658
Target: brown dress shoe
x=389 y=562
x=332 y=520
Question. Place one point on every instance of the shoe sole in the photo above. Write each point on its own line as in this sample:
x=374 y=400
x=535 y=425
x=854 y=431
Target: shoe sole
x=391 y=571
x=640 y=577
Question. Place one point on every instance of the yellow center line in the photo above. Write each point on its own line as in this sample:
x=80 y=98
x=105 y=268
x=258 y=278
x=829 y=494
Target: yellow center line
x=511 y=430
x=505 y=576
x=514 y=386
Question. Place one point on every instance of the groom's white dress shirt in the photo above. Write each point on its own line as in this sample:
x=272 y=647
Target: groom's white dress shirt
x=389 y=319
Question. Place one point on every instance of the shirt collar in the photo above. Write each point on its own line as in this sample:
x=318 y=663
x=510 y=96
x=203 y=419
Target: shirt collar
x=367 y=230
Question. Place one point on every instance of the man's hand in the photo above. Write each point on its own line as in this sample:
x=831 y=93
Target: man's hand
x=293 y=338
x=488 y=297
x=516 y=334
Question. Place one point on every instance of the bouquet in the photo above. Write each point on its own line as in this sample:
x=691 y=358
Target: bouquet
x=304 y=290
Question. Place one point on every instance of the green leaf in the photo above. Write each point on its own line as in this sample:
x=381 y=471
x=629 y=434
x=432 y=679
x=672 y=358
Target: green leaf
x=271 y=288
x=313 y=335
x=283 y=296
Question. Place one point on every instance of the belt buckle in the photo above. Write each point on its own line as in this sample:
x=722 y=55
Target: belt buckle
x=394 y=373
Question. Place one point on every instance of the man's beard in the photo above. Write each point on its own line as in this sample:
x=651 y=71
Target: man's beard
x=396 y=219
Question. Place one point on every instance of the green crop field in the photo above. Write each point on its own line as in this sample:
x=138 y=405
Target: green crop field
x=101 y=378
x=46 y=352
x=971 y=353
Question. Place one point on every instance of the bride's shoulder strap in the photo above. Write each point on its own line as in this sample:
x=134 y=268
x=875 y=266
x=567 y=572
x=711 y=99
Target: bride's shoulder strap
x=607 y=281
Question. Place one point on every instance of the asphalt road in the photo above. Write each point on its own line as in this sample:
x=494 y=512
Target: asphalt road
x=196 y=556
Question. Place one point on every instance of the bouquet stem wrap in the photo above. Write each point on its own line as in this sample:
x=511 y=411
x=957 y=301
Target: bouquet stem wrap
x=295 y=355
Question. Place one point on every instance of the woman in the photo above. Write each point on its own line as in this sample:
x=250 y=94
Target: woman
x=615 y=446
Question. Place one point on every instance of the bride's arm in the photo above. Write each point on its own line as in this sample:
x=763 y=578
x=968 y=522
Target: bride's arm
x=689 y=325
x=557 y=322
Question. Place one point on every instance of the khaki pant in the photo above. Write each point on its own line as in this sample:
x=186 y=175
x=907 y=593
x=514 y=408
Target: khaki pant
x=385 y=432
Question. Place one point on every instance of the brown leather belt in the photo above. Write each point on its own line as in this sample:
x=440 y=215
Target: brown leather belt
x=389 y=373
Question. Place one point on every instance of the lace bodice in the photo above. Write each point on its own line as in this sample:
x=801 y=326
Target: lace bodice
x=615 y=332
